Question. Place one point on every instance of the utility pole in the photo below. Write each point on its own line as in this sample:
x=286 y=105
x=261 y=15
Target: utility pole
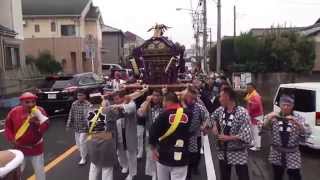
x=234 y=21
x=219 y=37
x=205 y=64
x=196 y=26
x=210 y=38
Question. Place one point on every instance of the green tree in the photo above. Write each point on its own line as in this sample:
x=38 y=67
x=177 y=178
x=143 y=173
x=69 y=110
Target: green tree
x=276 y=51
x=45 y=62
x=227 y=56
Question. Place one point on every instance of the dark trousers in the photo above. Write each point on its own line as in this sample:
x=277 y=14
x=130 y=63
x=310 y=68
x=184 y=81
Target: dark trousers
x=293 y=174
x=194 y=160
x=241 y=170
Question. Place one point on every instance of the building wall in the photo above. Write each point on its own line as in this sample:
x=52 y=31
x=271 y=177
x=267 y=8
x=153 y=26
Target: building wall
x=11 y=16
x=45 y=27
x=6 y=14
x=17 y=18
x=112 y=44
x=62 y=46
x=61 y=49
x=94 y=28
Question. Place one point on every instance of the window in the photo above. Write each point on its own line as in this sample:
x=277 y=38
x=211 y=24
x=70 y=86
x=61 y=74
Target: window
x=106 y=67
x=37 y=28
x=97 y=78
x=305 y=100
x=53 y=27
x=12 y=57
x=86 y=81
x=68 y=30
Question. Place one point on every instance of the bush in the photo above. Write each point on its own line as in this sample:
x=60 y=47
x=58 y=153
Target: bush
x=45 y=62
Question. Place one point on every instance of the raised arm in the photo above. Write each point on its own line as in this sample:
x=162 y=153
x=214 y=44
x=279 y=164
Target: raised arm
x=142 y=111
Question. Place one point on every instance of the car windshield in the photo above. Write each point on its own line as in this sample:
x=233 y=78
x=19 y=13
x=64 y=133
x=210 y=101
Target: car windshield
x=105 y=67
x=56 y=83
x=60 y=84
x=97 y=78
x=305 y=100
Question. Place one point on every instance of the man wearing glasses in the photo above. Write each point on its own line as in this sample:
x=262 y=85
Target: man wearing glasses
x=24 y=127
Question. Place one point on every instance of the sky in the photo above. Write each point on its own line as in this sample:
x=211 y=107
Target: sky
x=139 y=15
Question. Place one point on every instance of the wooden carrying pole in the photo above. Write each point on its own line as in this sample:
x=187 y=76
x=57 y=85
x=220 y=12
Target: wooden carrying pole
x=156 y=86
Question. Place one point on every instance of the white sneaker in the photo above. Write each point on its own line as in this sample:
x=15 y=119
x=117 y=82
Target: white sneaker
x=82 y=162
x=154 y=177
x=129 y=177
x=202 y=150
x=255 y=149
x=139 y=156
x=124 y=170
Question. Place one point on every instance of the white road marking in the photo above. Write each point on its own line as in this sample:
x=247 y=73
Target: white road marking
x=211 y=175
x=2 y=130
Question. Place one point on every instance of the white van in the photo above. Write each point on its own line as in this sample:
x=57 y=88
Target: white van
x=307 y=104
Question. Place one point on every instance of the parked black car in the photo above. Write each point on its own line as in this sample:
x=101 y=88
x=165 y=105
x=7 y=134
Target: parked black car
x=57 y=93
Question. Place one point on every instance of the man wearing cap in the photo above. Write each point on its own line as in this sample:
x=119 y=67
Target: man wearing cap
x=24 y=127
x=288 y=131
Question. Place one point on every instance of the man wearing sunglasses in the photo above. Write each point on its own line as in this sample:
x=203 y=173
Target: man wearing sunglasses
x=24 y=127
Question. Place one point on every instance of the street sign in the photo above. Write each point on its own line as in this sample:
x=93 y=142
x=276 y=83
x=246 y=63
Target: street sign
x=240 y=80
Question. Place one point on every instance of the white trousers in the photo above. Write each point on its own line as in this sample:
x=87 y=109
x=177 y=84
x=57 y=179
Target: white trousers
x=81 y=142
x=106 y=172
x=37 y=164
x=140 y=133
x=171 y=173
x=151 y=167
x=128 y=159
x=256 y=137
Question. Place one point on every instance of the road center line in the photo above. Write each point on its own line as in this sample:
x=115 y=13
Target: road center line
x=56 y=161
x=211 y=175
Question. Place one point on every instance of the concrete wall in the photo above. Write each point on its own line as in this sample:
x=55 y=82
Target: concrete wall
x=18 y=80
x=111 y=43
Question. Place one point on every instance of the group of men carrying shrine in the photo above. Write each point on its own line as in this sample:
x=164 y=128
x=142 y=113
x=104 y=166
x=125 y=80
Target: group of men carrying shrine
x=111 y=132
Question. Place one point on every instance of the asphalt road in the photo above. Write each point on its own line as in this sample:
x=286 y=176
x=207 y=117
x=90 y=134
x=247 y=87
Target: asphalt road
x=58 y=141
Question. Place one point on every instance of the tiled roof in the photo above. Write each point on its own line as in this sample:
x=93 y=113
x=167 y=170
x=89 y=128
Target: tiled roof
x=4 y=29
x=93 y=13
x=131 y=36
x=53 y=7
x=106 y=28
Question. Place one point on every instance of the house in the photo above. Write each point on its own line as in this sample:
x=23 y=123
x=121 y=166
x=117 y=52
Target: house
x=113 y=45
x=11 y=44
x=69 y=29
x=131 y=41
